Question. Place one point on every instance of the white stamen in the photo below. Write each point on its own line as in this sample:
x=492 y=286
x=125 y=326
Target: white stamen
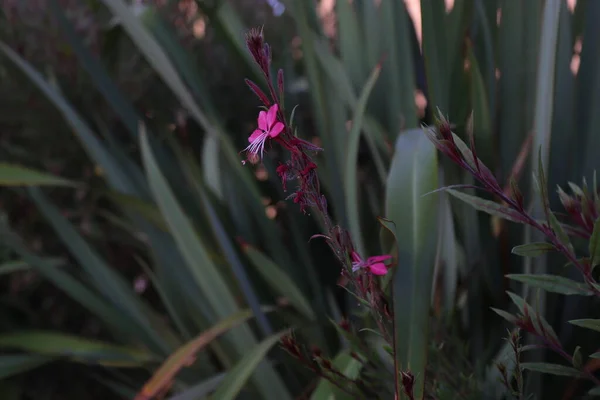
x=258 y=144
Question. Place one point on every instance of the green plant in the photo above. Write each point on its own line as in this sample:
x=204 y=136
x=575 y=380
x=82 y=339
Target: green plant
x=178 y=212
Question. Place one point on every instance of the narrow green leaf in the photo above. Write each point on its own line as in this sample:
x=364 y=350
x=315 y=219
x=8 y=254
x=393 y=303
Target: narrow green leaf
x=487 y=206
x=279 y=281
x=201 y=390
x=113 y=317
x=560 y=232
x=532 y=249
x=349 y=367
x=552 y=369
x=594 y=245
x=351 y=169
x=350 y=41
x=433 y=15
x=145 y=209
x=398 y=77
x=156 y=56
x=594 y=391
x=577 y=358
x=593 y=324
x=11 y=365
x=205 y=273
x=482 y=123
x=194 y=177
x=507 y=316
x=16 y=175
x=76 y=348
x=236 y=378
x=413 y=173
x=105 y=279
x=162 y=378
x=595 y=355
x=552 y=283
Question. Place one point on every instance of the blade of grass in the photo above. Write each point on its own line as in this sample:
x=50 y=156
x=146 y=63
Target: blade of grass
x=398 y=76
x=350 y=168
x=16 y=175
x=208 y=278
x=541 y=147
x=279 y=281
x=193 y=175
x=76 y=348
x=236 y=378
x=15 y=364
x=105 y=279
x=350 y=42
x=434 y=51
x=117 y=321
x=183 y=356
x=413 y=173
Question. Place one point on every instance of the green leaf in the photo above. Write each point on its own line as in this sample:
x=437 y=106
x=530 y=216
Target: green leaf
x=163 y=376
x=108 y=282
x=595 y=355
x=577 y=358
x=593 y=324
x=532 y=249
x=560 y=232
x=398 y=75
x=76 y=348
x=279 y=281
x=207 y=276
x=15 y=364
x=433 y=16
x=349 y=367
x=236 y=378
x=413 y=173
x=201 y=390
x=487 y=206
x=552 y=369
x=88 y=298
x=351 y=168
x=507 y=316
x=595 y=391
x=552 y=283
x=594 y=245
x=16 y=175
x=145 y=209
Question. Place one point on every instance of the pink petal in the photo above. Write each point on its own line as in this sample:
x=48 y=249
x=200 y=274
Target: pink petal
x=262 y=121
x=377 y=259
x=255 y=135
x=378 y=269
x=356 y=258
x=276 y=129
x=272 y=115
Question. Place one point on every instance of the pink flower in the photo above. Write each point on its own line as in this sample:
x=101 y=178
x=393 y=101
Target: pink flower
x=268 y=127
x=374 y=264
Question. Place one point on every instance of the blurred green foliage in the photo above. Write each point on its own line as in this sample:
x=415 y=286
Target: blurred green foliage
x=140 y=253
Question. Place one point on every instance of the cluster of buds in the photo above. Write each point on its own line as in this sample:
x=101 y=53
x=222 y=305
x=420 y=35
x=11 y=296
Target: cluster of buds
x=583 y=207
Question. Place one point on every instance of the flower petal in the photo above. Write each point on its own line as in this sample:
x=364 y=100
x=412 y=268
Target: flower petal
x=262 y=121
x=255 y=135
x=276 y=129
x=378 y=269
x=356 y=257
x=272 y=115
x=378 y=259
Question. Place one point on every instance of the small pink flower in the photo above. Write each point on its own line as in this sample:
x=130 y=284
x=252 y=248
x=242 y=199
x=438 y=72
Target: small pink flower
x=374 y=264
x=268 y=127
